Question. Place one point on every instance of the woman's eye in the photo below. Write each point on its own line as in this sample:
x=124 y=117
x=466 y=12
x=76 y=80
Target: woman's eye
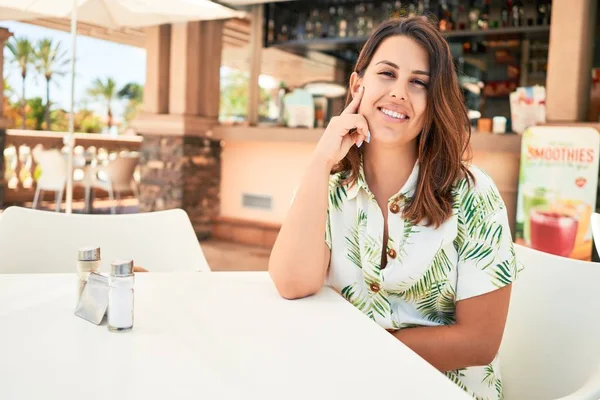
x=387 y=73
x=420 y=82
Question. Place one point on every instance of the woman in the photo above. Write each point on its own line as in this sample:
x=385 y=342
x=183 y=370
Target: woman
x=389 y=214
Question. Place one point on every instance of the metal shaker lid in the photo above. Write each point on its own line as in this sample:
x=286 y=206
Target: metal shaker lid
x=121 y=268
x=90 y=253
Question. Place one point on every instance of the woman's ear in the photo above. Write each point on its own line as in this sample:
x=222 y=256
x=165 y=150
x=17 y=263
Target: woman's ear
x=355 y=82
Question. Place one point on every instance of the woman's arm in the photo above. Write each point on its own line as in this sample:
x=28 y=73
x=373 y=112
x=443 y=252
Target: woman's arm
x=300 y=257
x=474 y=339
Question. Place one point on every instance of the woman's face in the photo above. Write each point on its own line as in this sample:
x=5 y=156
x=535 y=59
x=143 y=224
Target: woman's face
x=395 y=96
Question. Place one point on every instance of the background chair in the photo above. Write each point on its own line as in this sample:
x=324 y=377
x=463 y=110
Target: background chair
x=53 y=176
x=33 y=241
x=551 y=344
x=116 y=177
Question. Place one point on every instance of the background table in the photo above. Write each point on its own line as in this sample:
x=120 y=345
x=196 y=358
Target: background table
x=203 y=336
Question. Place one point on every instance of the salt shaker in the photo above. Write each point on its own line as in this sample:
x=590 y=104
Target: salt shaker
x=120 y=296
x=88 y=261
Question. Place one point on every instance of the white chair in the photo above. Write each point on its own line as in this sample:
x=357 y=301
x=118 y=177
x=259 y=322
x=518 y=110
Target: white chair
x=114 y=178
x=551 y=344
x=53 y=177
x=596 y=230
x=33 y=241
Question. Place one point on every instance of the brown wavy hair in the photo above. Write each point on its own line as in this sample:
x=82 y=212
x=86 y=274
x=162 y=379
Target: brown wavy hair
x=443 y=144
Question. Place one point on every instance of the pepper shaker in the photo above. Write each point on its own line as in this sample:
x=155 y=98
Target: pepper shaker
x=88 y=261
x=120 y=296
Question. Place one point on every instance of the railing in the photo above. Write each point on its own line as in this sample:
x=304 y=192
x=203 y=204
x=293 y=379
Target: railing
x=20 y=169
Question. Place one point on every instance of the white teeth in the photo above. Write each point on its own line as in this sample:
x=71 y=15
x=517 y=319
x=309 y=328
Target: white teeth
x=393 y=114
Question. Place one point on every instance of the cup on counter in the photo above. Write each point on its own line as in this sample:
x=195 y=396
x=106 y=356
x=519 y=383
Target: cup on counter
x=499 y=125
x=484 y=125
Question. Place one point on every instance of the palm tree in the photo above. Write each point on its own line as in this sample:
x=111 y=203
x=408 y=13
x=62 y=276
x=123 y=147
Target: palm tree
x=36 y=113
x=8 y=90
x=134 y=93
x=23 y=56
x=104 y=91
x=51 y=61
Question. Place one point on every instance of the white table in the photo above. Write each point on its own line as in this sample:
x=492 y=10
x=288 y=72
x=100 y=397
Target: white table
x=203 y=336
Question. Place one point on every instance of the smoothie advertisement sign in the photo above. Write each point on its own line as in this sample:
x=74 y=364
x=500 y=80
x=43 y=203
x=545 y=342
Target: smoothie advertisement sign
x=557 y=190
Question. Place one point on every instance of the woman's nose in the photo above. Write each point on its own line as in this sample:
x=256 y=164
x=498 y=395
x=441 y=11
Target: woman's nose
x=398 y=92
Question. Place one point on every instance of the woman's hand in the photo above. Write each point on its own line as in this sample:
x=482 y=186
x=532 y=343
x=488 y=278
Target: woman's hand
x=343 y=132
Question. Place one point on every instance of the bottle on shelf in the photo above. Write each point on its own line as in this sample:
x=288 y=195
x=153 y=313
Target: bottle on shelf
x=505 y=14
x=309 y=27
x=399 y=10
x=283 y=33
x=473 y=17
x=342 y=22
x=517 y=14
x=548 y=12
x=370 y=18
x=457 y=12
x=299 y=32
x=360 y=23
x=484 y=17
x=332 y=22
x=445 y=17
x=324 y=21
x=420 y=7
x=412 y=9
x=271 y=31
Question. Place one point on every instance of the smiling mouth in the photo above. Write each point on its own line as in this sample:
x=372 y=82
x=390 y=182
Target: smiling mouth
x=393 y=114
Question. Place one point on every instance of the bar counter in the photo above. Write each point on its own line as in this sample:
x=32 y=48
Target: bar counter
x=265 y=164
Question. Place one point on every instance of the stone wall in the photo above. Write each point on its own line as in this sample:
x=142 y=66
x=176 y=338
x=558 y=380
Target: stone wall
x=182 y=172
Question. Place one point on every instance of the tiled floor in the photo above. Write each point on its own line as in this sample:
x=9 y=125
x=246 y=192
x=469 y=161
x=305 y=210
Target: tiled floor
x=225 y=256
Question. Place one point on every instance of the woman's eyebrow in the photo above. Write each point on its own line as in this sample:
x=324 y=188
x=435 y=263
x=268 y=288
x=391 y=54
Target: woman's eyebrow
x=391 y=64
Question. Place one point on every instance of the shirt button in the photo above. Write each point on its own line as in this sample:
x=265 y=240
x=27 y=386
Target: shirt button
x=395 y=208
x=375 y=287
x=392 y=253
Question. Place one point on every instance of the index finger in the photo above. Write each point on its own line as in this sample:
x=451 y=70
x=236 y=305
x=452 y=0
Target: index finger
x=355 y=103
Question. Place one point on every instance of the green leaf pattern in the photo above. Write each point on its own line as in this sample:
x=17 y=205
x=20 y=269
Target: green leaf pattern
x=337 y=191
x=437 y=272
x=410 y=229
x=410 y=292
x=353 y=238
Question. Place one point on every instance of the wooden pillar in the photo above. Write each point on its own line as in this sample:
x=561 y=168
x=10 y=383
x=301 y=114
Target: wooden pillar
x=211 y=48
x=256 y=46
x=185 y=66
x=570 y=60
x=195 y=63
x=4 y=35
x=156 y=89
x=180 y=161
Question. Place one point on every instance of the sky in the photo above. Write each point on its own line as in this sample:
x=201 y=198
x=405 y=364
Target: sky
x=95 y=59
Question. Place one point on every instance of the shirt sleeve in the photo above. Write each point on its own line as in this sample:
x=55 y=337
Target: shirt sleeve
x=486 y=254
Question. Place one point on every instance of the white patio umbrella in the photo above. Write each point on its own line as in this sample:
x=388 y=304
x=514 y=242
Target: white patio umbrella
x=110 y=14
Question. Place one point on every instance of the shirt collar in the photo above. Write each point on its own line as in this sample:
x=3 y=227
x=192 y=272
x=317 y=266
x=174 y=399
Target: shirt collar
x=361 y=184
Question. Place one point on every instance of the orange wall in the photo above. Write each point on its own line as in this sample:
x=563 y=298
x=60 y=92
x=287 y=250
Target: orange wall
x=261 y=168
x=276 y=168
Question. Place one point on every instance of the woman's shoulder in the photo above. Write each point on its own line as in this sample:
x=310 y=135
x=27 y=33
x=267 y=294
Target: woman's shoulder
x=476 y=193
x=338 y=179
x=476 y=180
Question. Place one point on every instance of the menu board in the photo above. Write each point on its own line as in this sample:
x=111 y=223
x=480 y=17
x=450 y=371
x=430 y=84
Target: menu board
x=558 y=181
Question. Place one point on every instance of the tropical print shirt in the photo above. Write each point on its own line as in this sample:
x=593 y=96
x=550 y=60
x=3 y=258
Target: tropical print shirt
x=428 y=269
